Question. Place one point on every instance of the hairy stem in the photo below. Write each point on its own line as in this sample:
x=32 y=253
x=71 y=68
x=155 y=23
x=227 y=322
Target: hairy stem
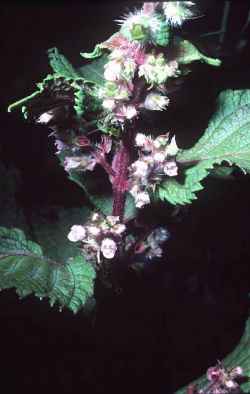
x=120 y=164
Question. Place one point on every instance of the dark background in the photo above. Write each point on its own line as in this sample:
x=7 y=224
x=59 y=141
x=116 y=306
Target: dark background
x=182 y=314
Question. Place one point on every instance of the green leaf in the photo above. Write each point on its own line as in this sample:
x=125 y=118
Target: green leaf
x=227 y=138
x=184 y=193
x=93 y=72
x=189 y=54
x=61 y=65
x=97 y=52
x=23 y=266
x=240 y=356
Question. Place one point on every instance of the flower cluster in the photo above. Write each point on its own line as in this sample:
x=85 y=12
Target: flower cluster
x=221 y=380
x=118 y=74
x=131 y=57
x=156 y=70
x=100 y=236
x=156 y=160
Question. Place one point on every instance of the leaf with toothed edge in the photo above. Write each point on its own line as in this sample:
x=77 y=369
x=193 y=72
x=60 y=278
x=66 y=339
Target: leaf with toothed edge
x=226 y=139
x=23 y=266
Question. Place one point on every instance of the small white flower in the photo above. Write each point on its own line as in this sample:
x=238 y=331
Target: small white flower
x=140 y=168
x=141 y=199
x=112 y=220
x=93 y=230
x=156 y=102
x=160 y=141
x=119 y=228
x=108 y=104
x=59 y=146
x=159 y=156
x=231 y=384
x=176 y=12
x=172 y=149
x=45 y=118
x=171 y=168
x=77 y=233
x=112 y=70
x=71 y=163
x=95 y=217
x=135 y=189
x=126 y=112
x=108 y=248
x=140 y=139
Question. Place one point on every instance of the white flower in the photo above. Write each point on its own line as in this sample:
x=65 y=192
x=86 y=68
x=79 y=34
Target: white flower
x=140 y=168
x=141 y=199
x=119 y=228
x=93 y=230
x=177 y=11
x=156 y=102
x=71 y=163
x=112 y=70
x=172 y=149
x=45 y=118
x=171 y=168
x=159 y=156
x=112 y=220
x=231 y=384
x=108 y=248
x=108 y=104
x=140 y=139
x=59 y=146
x=77 y=233
x=160 y=141
x=126 y=112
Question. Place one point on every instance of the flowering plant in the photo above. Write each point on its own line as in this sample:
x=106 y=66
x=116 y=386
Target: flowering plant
x=96 y=116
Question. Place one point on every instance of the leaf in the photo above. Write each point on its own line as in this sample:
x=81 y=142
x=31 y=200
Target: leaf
x=97 y=52
x=61 y=65
x=240 y=356
x=227 y=138
x=184 y=193
x=23 y=266
x=189 y=54
x=93 y=72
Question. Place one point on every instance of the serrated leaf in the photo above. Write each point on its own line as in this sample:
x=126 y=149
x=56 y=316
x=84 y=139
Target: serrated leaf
x=60 y=65
x=189 y=54
x=184 y=193
x=93 y=72
x=227 y=138
x=240 y=356
x=23 y=266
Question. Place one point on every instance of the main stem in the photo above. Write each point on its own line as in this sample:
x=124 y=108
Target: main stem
x=121 y=162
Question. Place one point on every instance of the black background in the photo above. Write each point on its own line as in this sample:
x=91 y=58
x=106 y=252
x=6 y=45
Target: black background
x=167 y=327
